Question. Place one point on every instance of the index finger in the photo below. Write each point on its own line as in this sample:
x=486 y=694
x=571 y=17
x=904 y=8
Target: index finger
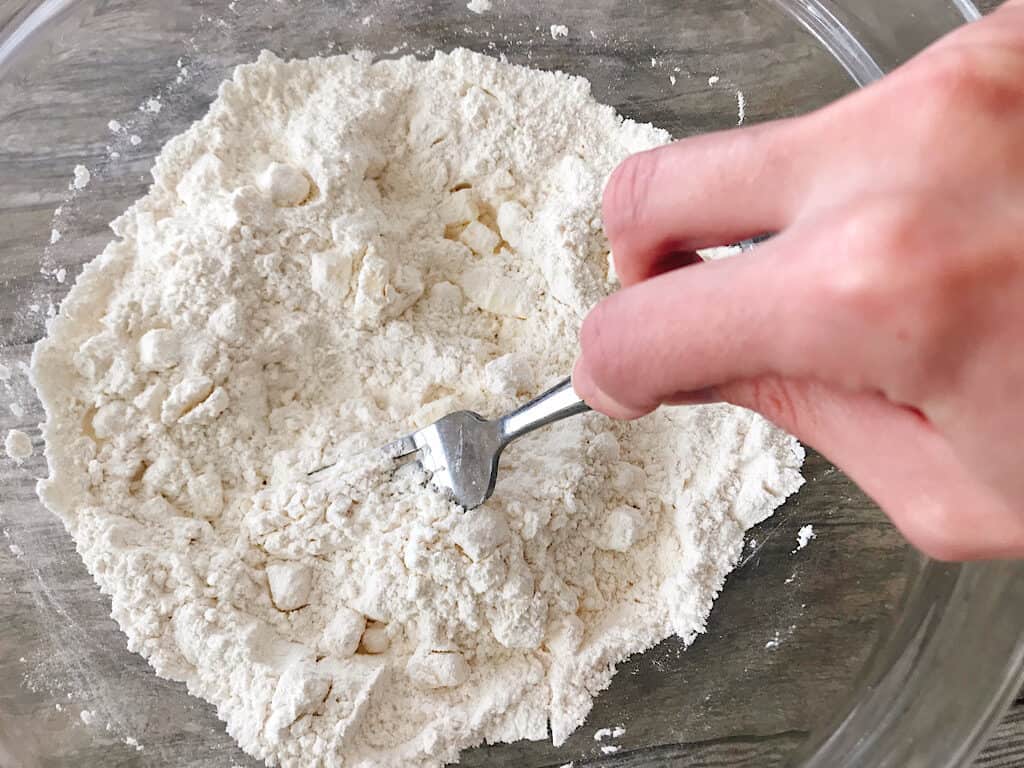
x=710 y=190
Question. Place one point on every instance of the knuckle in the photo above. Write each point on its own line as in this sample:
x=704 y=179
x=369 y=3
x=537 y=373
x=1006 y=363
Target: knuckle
x=899 y=274
x=627 y=191
x=938 y=546
x=595 y=342
x=931 y=526
x=972 y=80
x=897 y=224
x=889 y=280
x=955 y=72
x=780 y=401
x=880 y=247
x=853 y=281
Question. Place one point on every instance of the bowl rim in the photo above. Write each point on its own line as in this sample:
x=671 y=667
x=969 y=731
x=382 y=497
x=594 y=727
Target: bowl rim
x=947 y=608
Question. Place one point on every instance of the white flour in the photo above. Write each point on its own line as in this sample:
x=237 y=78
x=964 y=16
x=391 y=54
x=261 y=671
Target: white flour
x=337 y=253
x=804 y=536
x=81 y=178
x=17 y=445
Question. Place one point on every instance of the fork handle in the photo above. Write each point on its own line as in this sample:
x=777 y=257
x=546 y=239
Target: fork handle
x=559 y=402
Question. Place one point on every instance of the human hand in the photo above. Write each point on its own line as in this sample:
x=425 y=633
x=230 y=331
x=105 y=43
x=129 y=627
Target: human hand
x=884 y=324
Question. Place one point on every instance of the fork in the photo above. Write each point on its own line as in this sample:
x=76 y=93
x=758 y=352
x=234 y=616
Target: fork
x=462 y=449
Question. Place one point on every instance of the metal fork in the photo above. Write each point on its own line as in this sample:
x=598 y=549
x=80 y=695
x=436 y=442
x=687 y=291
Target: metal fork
x=463 y=448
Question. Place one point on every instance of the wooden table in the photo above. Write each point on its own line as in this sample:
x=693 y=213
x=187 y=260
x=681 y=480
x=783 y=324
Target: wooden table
x=59 y=648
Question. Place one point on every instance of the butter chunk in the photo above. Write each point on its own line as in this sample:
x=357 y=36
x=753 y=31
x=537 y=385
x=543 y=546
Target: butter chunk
x=438 y=670
x=290 y=584
x=480 y=238
x=459 y=208
x=496 y=292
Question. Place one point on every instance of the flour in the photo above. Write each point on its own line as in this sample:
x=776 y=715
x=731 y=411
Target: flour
x=18 y=445
x=340 y=252
x=804 y=536
x=609 y=733
x=480 y=6
x=81 y=177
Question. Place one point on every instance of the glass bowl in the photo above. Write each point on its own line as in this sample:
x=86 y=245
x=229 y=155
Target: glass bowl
x=853 y=651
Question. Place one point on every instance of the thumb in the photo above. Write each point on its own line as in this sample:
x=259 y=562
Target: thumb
x=664 y=339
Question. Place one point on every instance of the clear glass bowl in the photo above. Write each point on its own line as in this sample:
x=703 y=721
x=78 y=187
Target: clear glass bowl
x=852 y=652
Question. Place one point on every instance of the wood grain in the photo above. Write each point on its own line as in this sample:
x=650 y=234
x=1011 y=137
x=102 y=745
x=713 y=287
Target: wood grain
x=1006 y=747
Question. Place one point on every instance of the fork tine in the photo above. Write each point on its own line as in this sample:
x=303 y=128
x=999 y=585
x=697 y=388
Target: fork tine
x=400 y=448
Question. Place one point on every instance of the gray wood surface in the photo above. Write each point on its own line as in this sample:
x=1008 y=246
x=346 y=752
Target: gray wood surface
x=731 y=699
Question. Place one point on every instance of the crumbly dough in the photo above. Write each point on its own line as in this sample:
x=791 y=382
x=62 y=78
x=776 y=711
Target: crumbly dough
x=339 y=252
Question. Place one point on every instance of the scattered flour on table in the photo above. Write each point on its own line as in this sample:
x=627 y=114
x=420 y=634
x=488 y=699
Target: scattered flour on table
x=81 y=177
x=804 y=536
x=480 y=6
x=339 y=252
x=609 y=733
x=779 y=636
x=18 y=445
x=559 y=31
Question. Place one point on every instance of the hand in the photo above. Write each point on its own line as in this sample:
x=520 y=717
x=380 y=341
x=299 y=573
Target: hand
x=884 y=324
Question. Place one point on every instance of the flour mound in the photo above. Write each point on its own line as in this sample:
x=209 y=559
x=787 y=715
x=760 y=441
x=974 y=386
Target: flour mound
x=342 y=251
